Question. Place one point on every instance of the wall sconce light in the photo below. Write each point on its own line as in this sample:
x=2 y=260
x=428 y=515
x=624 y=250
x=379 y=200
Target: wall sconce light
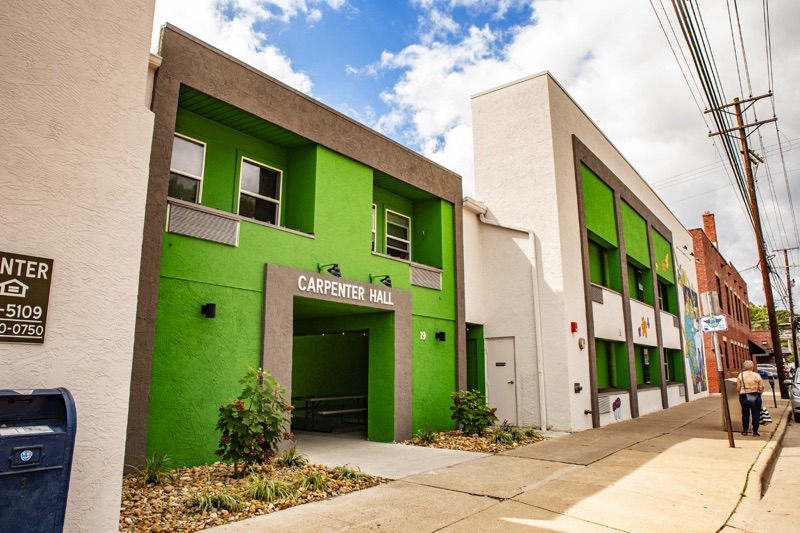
x=333 y=270
x=440 y=336
x=384 y=278
x=210 y=310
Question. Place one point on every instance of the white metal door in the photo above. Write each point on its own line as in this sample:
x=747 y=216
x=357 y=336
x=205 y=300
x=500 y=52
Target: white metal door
x=502 y=378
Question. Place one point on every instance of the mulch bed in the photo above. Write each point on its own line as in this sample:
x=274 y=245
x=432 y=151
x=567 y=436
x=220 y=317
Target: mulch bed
x=156 y=508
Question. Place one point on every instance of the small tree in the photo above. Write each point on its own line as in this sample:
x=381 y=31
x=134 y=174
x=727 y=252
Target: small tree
x=256 y=422
x=471 y=412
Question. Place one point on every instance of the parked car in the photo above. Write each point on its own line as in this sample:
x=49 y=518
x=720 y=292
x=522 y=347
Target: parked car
x=794 y=393
x=765 y=375
x=766 y=370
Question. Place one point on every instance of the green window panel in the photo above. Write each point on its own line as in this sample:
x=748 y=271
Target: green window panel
x=662 y=250
x=612 y=365
x=605 y=363
x=646 y=359
x=635 y=232
x=640 y=284
x=674 y=368
x=598 y=264
x=598 y=201
x=476 y=370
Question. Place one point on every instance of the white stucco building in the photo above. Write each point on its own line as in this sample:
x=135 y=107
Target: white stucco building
x=75 y=136
x=578 y=274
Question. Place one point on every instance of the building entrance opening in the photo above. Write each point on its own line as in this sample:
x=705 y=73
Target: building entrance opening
x=342 y=361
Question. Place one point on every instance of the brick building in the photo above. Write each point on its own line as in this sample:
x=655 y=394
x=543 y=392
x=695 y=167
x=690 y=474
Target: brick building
x=728 y=296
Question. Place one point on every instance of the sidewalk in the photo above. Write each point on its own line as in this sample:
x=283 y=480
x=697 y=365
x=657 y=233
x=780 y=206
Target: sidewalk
x=668 y=471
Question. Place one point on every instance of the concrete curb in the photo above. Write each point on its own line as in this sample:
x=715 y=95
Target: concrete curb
x=765 y=464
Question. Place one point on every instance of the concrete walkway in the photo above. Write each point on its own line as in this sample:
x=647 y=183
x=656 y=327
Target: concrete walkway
x=779 y=510
x=668 y=471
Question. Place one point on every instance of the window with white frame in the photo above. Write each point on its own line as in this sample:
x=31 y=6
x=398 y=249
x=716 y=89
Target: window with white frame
x=259 y=192
x=186 y=169
x=374 y=228
x=398 y=235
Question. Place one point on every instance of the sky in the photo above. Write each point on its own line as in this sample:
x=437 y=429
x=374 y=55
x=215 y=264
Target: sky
x=407 y=68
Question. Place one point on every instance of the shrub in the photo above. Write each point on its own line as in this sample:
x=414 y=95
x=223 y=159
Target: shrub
x=208 y=501
x=156 y=469
x=471 y=412
x=426 y=435
x=291 y=457
x=268 y=490
x=254 y=423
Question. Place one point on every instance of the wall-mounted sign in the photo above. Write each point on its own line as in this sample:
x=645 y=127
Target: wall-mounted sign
x=24 y=294
x=334 y=287
x=714 y=323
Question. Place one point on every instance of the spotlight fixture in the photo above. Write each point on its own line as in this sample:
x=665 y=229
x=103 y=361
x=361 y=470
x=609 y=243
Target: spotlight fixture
x=210 y=310
x=440 y=336
x=333 y=270
x=384 y=278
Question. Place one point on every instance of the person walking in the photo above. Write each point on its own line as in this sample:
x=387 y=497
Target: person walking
x=750 y=386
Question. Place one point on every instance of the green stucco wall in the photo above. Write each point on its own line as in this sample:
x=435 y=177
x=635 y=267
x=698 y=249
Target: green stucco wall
x=434 y=374
x=197 y=362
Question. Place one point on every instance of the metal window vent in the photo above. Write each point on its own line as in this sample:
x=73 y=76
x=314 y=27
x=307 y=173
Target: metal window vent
x=426 y=277
x=604 y=404
x=682 y=390
x=201 y=224
x=597 y=293
x=676 y=322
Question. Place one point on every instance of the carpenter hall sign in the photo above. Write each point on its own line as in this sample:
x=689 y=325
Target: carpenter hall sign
x=342 y=289
x=24 y=294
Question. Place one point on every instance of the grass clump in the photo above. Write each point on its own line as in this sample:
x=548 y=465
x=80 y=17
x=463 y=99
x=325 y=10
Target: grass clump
x=157 y=469
x=207 y=501
x=263 y=489
x=425 y=435
x=345 y=473
x=291 y=458
x=316 y=481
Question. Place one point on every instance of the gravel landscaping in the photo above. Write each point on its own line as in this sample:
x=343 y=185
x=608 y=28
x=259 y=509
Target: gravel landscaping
x=157 y=499
x=193 y=499
x=485 y=443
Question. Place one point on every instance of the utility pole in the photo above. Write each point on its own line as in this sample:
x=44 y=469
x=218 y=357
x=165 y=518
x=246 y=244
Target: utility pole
x=762 y=252
x=791 y=303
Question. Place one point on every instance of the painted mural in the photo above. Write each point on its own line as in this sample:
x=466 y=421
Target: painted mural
x=692 y=336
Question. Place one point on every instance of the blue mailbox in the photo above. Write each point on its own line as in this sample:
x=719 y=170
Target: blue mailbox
x=37 y=438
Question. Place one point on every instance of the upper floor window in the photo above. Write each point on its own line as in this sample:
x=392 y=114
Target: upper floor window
x=638 y=278
x=398 y=235
x=259 y=192
x=186 y=169
x=663 y=296
x=374 y=227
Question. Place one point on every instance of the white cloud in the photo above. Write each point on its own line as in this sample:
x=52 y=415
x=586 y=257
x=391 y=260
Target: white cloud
x=498 y=8
x=233 y=26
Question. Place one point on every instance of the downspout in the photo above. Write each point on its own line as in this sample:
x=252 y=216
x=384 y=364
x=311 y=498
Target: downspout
x=481 y=210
